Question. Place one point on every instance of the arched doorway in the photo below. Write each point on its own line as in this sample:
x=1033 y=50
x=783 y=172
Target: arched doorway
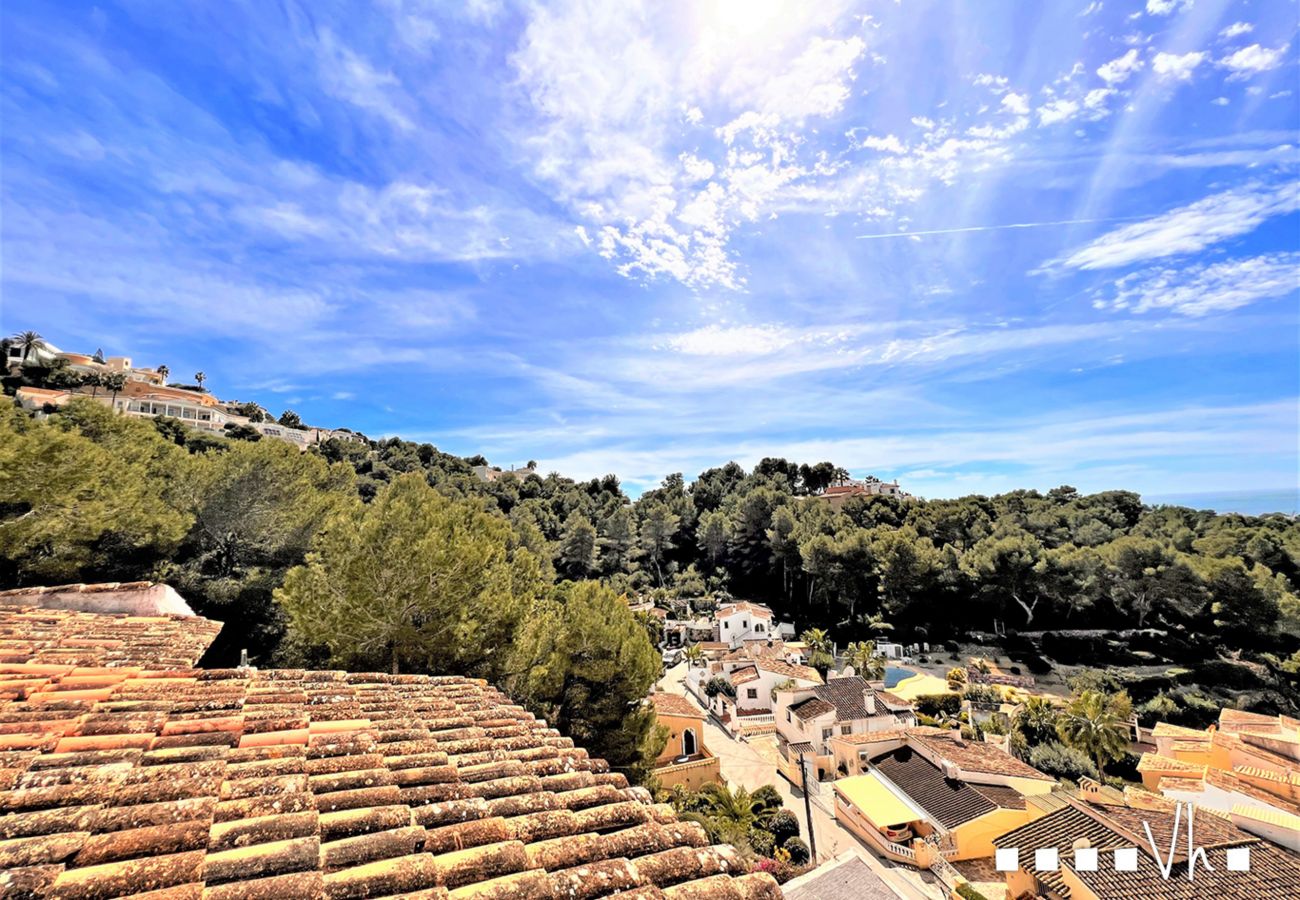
x=689 y=747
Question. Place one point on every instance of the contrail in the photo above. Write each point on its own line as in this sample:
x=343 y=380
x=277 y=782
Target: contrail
x=894 y=234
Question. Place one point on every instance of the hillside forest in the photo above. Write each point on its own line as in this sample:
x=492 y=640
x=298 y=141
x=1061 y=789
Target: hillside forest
x=395 y=556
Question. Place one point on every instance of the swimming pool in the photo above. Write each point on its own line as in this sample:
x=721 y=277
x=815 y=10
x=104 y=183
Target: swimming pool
x=895 y=674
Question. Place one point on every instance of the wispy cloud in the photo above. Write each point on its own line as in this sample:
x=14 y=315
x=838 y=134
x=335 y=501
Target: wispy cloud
x=1205 y=289
x=1187 y=229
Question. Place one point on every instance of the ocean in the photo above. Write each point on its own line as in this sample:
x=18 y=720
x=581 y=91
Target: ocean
x=1248 y=503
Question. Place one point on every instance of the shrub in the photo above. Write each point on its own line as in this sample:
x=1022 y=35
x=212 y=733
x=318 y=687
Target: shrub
x=1061 y=761
x=719 y=685
x=969 y=893
x=768 y=797
x=951 y=646
x=783 y=826
x=798 y=851
x=933 y=704
x=763 y=842
x=956 y=677
x=1014 y=670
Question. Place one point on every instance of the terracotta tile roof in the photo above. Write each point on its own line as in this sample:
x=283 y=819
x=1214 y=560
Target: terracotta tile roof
x=974 y=757
x=848 y=696
x=67 y=639
x=1154 y=762
x=666 y=704
x=754 y=609
x=788 y=670
x=1166 y=729
x=949 y=801
x=871 y=737
x=227 y=784
x=1001 y=795
x=811 y=708
x=743 y=675
x=1273 y=872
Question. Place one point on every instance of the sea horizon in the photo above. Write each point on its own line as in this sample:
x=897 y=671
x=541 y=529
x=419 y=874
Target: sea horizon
x=1246 y=503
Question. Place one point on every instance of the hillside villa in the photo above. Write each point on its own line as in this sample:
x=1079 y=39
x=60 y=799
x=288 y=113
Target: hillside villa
x=684 y=760
x=807 y=717
x=1093 y=845
x=740 y=621
x=145 y=395
x=1247 y=767
x=836 y=494
x=930 y=786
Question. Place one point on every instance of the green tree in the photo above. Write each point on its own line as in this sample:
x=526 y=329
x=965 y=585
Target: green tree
x=290 y=419
x=114 y=383
x=414 y=581
x=1143 y=575
x=820 y=649
x=1003 y=566
x=581 y=661
x=85 y=495
x=712 y=535
x=658 y=528
x=577 y=549
x=618 y=540
x=30 y=342
x=694 y=655
x=865 y=660
x=199 y=378
x=1096 y=724
x=1036 y=721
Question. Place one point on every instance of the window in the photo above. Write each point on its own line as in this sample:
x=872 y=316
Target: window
x=788 y=717
x=751 y=693
x=758 y=626
x=826 y=733
x=726 y=624
x=689 y=745
x=846 y=729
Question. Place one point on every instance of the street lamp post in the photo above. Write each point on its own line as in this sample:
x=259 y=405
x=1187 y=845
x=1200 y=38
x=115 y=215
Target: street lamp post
x=807 y=806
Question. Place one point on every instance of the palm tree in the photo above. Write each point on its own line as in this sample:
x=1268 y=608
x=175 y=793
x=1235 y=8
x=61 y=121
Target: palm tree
x=865 y=660
x=694 y=655
x=114 y=383
x=1036 y=720
x=95 y=380
x=1093 y=724
x=877 y=623
x=819 y=644
x=163 y=372
x=30 y=341
x=199 y=378
x=737 y=807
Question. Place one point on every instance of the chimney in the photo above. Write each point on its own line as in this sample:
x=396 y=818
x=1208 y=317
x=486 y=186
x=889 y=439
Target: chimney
x=869 y=700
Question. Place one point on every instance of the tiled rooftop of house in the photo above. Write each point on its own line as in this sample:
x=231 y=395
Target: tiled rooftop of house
x=744 y=675
x=949 y=801
x=788 y=670
x=666 y=704
x=184 y=783
x=973 y=756
x=754 y=609
x=848 y=696
x=60 y=637
x=1273 y=872
x=811 y=708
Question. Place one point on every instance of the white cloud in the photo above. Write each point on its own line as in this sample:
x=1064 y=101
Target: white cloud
x=1095 y=102
x=1118 y=70
x=1236 y=29
x=1172 y=66
x=1057 y=111
x=1017 y=104
x=351 y=78
x=1093 y=7
x=742 y=340
x=624 y=142
x=1187 y=229
x=887 y=144
x=1165 y=7
x=1205 y=289
x=1220 y=101
x=342 y=395
x=1253 y=59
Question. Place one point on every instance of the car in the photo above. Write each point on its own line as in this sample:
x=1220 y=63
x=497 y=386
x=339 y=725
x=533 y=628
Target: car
x=672 y=657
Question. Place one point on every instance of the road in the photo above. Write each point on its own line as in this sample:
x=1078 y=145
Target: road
x=744 y=763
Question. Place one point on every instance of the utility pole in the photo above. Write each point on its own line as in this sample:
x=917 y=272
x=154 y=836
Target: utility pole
x=807 y=806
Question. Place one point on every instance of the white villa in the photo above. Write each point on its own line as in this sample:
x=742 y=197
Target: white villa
x=735 y=623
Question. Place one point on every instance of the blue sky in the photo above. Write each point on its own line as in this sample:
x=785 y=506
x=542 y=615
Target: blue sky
x=972 y=246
